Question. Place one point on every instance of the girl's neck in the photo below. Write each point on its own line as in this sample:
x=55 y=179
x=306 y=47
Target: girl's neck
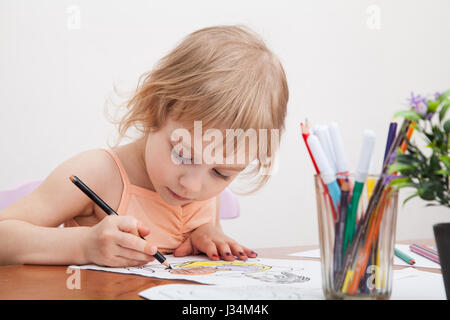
x=132 y=156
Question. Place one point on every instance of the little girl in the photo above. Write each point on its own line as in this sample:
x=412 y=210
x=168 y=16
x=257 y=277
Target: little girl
x=162 y=185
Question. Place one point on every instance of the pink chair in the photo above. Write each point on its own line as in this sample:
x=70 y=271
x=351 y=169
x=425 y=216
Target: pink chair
x=229 y=204
x=8 y=197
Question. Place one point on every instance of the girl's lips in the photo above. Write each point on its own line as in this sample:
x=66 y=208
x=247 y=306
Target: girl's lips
x=176 y=196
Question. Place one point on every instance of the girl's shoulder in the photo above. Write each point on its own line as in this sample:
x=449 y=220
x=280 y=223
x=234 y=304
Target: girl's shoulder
x=100 y=169
x=57 y=200
x=103 y=169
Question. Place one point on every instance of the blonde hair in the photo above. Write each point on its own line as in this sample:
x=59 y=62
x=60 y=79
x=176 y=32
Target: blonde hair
x=223 y=75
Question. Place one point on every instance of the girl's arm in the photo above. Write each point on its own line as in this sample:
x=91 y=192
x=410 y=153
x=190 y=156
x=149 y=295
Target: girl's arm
x=25 y=243
x=27 y=227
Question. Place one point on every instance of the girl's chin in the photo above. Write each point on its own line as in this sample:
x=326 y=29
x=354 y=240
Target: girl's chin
x=171 y=199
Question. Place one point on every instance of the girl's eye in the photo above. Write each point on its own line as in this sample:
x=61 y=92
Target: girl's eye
x=221 y=175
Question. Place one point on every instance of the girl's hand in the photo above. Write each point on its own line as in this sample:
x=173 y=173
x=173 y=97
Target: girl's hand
x=213 y=242
x=115 y=242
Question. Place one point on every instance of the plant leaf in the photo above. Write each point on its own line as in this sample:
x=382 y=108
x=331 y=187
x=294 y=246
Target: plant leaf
x=432 y=106
x=426 y=193
x=447 y=126
x=400 y=167
x=445 y=160
x=443 y=172
x=408 y=114
x=443 y=111
x=444 y=96
x=415 y=194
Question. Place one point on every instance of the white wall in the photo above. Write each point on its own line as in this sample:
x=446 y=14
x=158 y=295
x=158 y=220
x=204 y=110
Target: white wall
x=344 y=63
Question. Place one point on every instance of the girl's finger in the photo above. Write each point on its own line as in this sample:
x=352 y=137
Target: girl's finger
x=128 y=224
x=224 y=251
x=143 y=230
x=130 y=241
x=250 y=253
x=238 y=251
x=133 y=254
x=210 y=249
x=120 y=261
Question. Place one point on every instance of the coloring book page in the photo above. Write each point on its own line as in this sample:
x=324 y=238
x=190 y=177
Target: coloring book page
x=255 y=271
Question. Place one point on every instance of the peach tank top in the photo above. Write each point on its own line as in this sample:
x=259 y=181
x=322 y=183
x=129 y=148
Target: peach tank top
x=169 y=225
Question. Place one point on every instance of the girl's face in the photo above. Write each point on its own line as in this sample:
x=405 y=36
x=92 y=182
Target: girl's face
x=180 y=183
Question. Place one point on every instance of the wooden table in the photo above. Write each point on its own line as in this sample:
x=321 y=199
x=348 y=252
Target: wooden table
x=24 y=282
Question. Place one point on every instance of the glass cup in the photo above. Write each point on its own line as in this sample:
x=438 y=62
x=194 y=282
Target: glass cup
x=356 y=246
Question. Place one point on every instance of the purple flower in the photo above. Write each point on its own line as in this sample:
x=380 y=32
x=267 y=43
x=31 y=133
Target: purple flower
x=414 y=99
x=421 y=107
x=437 y=94
x=430 y=115
x=418 y=103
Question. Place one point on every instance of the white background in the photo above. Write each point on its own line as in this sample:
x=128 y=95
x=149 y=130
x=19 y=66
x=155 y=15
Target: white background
x=353 y=62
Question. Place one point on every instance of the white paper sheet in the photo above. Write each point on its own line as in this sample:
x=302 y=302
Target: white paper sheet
x=251 y=272
x=263 y=279
x=408 y=284
x=232 y=292
x=420 y=261
x=413 y=284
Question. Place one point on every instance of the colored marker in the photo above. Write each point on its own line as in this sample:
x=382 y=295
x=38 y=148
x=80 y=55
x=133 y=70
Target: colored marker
x=360 y=179
x=321 y=132
x=326 y=172
x=339 y=232
x=306 y=133
x=338 y=148
x=370 y=182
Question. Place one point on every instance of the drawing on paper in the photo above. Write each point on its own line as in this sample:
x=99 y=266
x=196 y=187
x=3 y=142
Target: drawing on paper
x=252 y=271
x=209 y=267
x=282 y=277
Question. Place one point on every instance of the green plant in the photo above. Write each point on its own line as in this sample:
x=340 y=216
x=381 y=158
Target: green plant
x=426 y=170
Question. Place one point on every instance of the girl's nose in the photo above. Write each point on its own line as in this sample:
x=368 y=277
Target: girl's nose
x=191 y=180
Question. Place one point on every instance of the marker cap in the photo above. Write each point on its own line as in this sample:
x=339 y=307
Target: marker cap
x=365 y=156
x=327 y=173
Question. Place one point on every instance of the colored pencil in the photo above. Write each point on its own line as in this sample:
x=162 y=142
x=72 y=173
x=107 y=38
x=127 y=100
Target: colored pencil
x=404 y=256
x=424 y=253
x=108 y=210
x=425 y=247
x=351 y=253
x=408 y=136
x=364 y=254
x=390 y=138
x=375 y=256
x=305 y=133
